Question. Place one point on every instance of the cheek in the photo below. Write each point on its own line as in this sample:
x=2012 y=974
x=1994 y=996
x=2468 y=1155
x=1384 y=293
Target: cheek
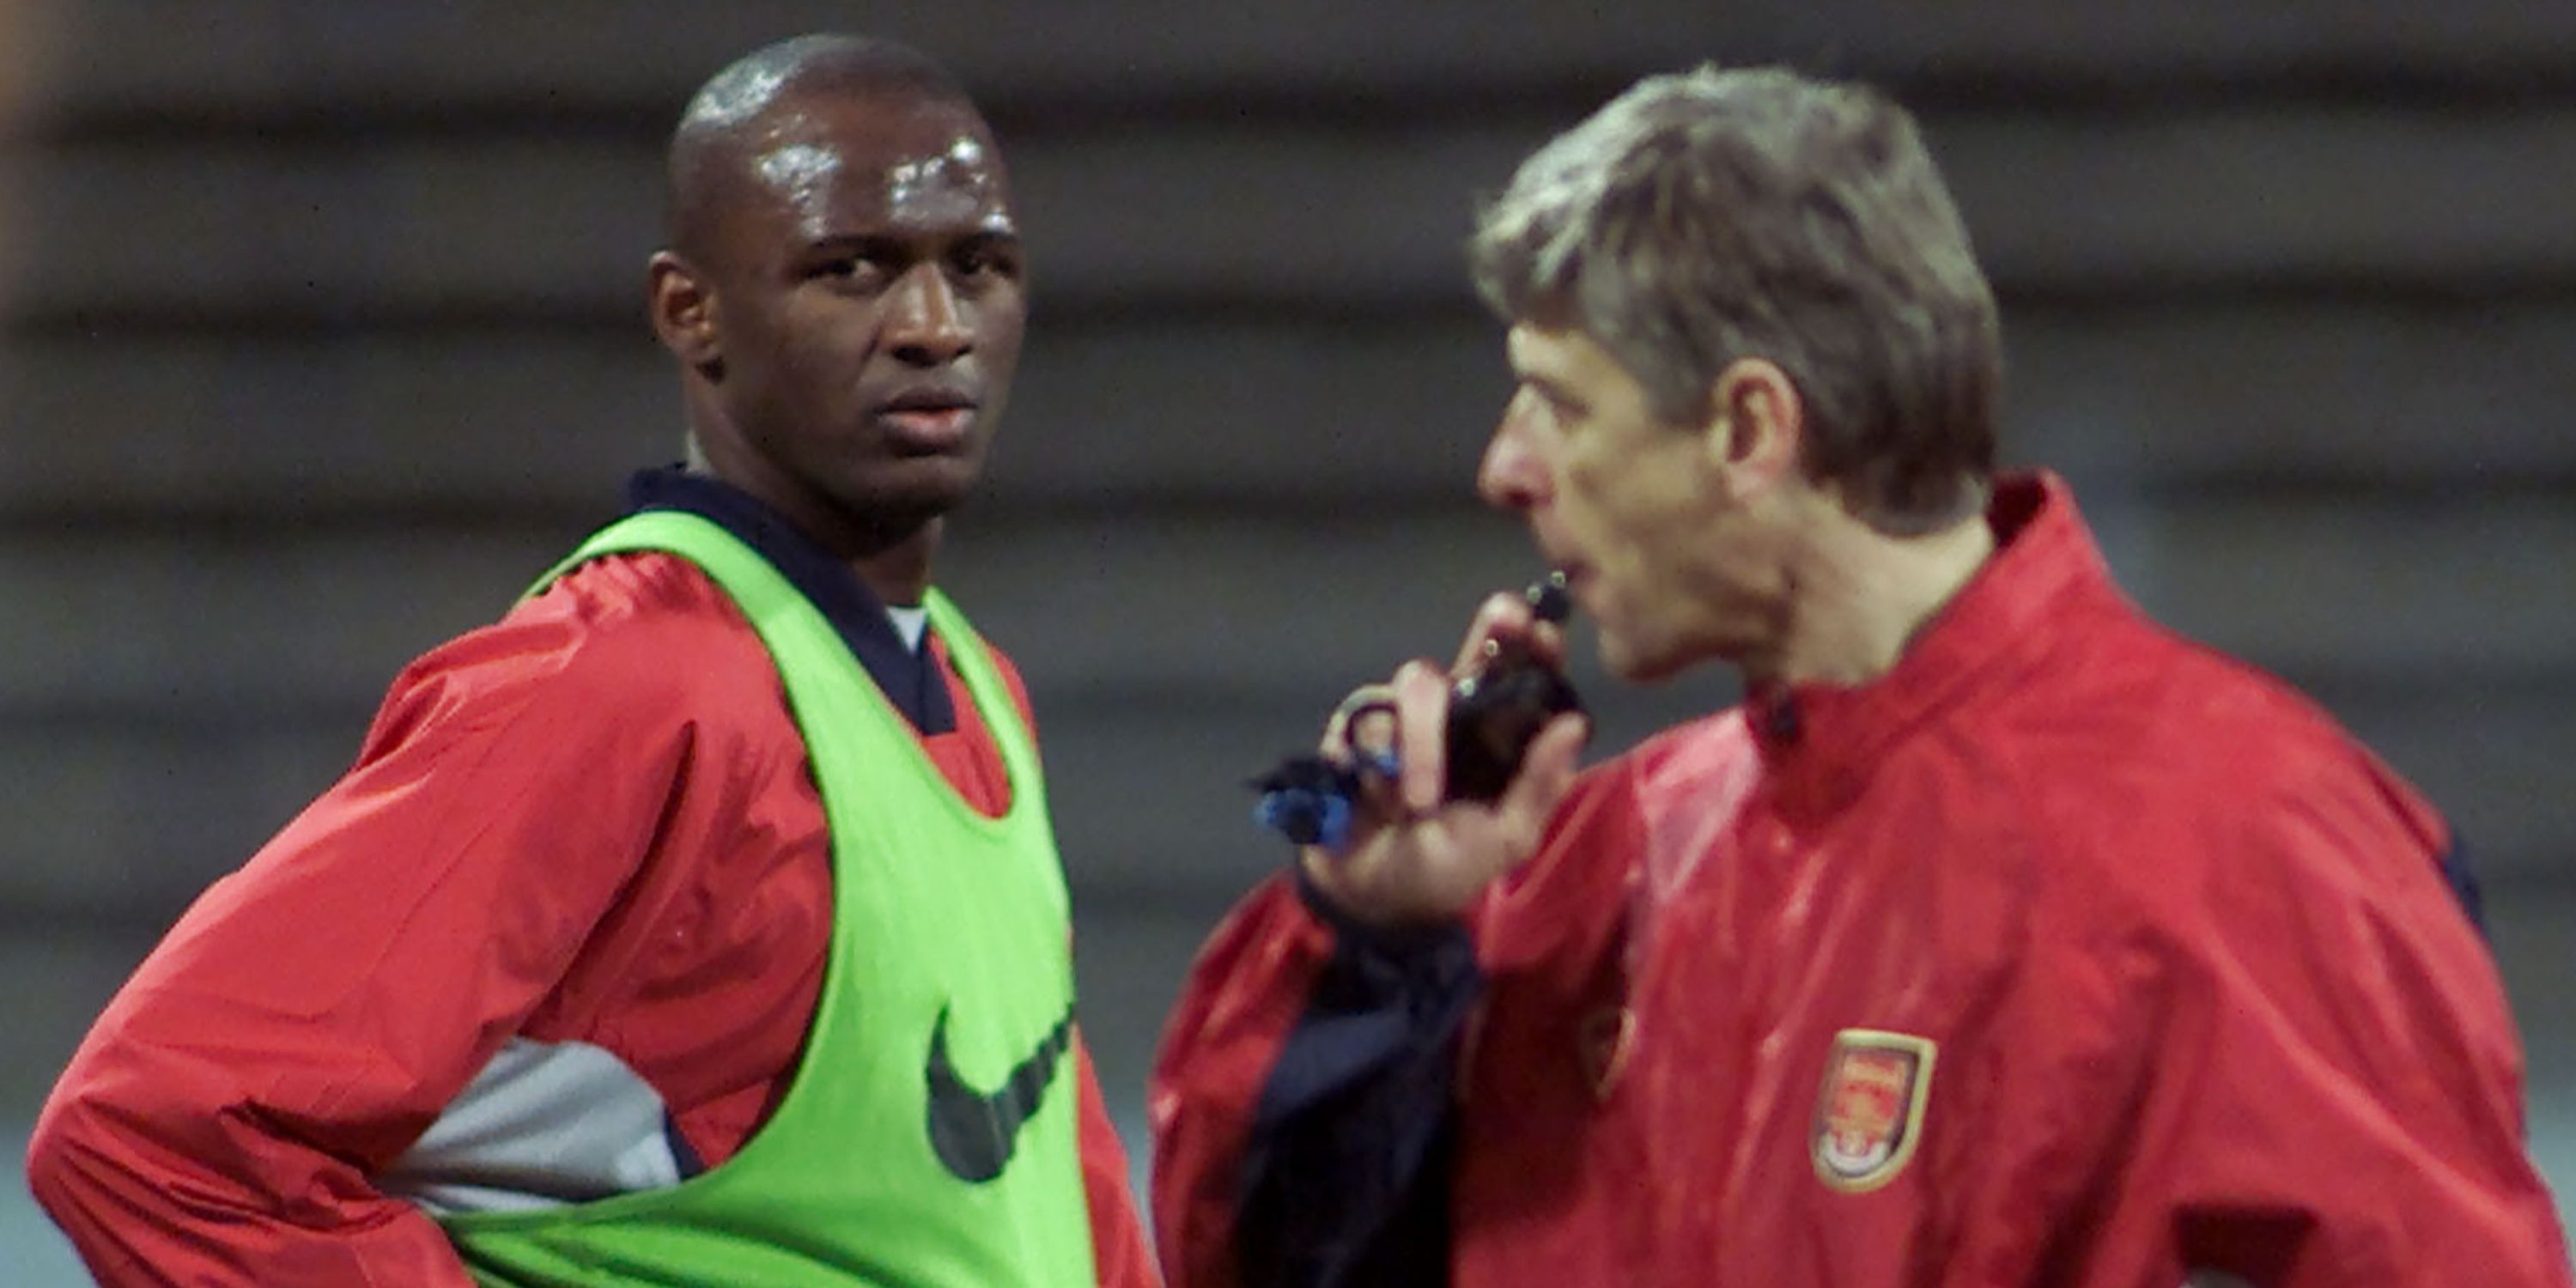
x=1587 y=481
x=818 y=354
x=999 y=327
x=1635 y=501
x=770 y=342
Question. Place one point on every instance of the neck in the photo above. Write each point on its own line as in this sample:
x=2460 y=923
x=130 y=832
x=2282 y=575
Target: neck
x=1857 y=597
x=891 y=559
x=900 y=574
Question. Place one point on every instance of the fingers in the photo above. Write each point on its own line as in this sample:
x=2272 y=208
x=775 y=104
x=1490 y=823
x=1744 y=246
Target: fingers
x=1422 y=709
x=1427 y=864
x=1505 y=617
x=1500 y=617
x=1397 y=723
x=1363 y=726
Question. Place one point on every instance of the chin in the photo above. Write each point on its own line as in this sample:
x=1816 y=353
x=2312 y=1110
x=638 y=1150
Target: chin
x=929 y=502
x=1650 y=661
x=921 y=495
x=1626 y=660
x=1643 y=670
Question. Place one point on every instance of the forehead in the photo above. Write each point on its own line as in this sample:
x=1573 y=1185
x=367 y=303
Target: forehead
x=839 y=164
x=1566 y=356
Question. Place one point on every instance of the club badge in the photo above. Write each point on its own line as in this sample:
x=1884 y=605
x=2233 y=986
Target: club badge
x=1869 y=1116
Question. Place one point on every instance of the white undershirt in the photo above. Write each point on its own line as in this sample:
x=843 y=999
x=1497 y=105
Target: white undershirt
x=909 y=623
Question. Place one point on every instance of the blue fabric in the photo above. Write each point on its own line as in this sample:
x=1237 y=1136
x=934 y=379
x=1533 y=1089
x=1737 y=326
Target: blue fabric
x=906 y=676
x=1346 y=1175
x=2464 y=883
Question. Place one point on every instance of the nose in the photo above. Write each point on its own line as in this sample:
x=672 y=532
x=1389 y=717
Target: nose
x=926 y=324
x=1511 y=476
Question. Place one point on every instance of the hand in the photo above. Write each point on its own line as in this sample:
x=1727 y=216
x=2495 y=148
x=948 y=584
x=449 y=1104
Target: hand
x=1411 y=858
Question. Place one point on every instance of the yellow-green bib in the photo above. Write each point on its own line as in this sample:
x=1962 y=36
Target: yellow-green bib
x=928 y=1137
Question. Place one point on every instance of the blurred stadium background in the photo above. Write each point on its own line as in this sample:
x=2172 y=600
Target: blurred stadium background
x=320 y=333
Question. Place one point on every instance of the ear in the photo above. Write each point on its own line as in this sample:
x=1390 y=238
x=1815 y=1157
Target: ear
x=1757 y=424
x=683 y=309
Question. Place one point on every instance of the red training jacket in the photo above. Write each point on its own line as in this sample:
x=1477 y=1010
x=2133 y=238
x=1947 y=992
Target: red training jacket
x=589 y=823
x=2067 y=954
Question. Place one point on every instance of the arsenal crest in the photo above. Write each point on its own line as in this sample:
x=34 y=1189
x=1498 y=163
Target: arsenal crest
x=1870 y=1113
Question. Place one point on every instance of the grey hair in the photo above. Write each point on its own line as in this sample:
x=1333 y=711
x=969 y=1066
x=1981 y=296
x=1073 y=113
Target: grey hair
x=1719 y=214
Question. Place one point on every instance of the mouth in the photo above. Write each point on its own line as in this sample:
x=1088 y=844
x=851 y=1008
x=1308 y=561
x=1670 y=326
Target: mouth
x=1560 y=561
x=929 y=419
x=1573 y=574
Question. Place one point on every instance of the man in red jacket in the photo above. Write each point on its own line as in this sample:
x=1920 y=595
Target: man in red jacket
x=1999 y=938
x=557 y=944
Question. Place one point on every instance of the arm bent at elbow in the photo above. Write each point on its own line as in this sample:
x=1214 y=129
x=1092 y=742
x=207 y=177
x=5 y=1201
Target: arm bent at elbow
x=159 y=1178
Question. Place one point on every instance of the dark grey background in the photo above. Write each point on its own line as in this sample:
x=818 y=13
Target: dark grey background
x=320 y=333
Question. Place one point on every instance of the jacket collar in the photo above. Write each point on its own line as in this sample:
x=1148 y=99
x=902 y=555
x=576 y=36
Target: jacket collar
x=909 y=680
x=1819 y=740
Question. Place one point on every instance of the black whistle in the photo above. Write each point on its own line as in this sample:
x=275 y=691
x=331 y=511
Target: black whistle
x=1497 y=710
x=1493 y=715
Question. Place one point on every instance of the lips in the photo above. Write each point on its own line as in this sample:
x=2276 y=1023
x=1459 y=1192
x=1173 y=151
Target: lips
x=928 y=418
x=1575 y=573
x=1577 y=578
x=1553 y=550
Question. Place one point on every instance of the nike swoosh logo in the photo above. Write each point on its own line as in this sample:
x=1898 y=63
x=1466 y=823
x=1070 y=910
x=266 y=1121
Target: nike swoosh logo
x=974 y=1132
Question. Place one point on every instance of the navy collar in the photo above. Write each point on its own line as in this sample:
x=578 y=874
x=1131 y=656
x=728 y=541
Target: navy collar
x=909 y=681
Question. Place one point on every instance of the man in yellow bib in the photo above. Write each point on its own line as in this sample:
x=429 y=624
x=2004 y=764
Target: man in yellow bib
x=700 y=921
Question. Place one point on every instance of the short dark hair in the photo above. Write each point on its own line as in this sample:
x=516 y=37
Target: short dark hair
x=705 y=142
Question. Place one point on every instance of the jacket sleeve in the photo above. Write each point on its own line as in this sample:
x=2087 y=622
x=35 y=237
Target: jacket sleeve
x=311 y=1014
x=2295 y=1066
x=2356 y=1117
x=1120 y=1253
x=1346 y=1174
x=1243 y=997
x=1121 y=1257
x=1339 y=1174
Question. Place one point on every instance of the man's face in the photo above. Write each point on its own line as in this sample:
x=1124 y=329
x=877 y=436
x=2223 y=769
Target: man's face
x=869 y=305
x=1629 y=505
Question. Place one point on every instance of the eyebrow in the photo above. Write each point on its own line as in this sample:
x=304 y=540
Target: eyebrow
x=1522 y=371
x=1554 y=389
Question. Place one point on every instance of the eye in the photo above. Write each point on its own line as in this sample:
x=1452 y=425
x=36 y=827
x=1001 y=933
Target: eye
x=979 y=260
x=1563 y=410
x=860 y=268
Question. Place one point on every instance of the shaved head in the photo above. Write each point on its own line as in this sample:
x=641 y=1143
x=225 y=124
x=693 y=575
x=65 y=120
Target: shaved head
x=725 y=122
x=843 y=290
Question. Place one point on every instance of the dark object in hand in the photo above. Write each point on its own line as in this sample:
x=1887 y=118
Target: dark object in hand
x=1493 y=715
x=1495 y=712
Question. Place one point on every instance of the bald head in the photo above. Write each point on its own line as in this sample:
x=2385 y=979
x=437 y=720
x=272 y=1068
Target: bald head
x=843 y=291
x=725 y=123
